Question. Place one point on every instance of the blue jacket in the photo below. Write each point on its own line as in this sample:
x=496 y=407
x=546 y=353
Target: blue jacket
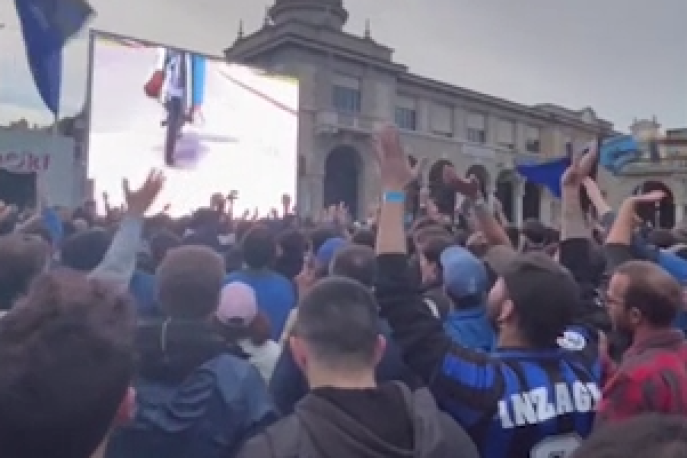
x=288 y=385
x=470 y=328
x=219 y=406
x=275 y=293
x=142 y=288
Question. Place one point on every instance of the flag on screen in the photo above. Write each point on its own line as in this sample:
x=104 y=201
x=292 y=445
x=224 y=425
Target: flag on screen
x=46 y=26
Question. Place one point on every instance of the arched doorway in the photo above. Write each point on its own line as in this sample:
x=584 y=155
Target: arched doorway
x=505 y=193
x=661 y=214
x=531 y=201
x=18 y=188
x=480 y=172
x=443 y=197
x=342 y=178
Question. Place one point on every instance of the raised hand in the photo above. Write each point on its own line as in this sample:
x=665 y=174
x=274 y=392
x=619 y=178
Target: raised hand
x=469 y=187
x=394 y=168
x=139 y=201
x=580 y=167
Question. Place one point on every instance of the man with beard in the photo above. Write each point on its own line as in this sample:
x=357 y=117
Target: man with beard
x=535 y=396
x=643 y=300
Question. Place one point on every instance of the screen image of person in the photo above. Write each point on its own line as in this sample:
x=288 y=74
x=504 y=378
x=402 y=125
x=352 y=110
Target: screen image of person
x=200 y=118
x=178 y=82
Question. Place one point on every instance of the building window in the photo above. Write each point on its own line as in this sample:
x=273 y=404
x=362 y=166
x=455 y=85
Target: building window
x=406 y=118
x=568 y=145
x=505 y=134
x=346 y=94
x=441 y=120
x=477 y=128
x=533 y=143
x=406 y=113
x=346 y=99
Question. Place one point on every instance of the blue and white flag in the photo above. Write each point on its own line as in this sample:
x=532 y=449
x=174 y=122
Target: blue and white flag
x=46 y=26
x=617 y=152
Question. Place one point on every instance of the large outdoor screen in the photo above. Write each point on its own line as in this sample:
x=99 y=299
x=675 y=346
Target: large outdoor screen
x=212 y=126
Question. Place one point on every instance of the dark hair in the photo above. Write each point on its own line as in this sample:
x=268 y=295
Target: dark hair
x=292 y=242
x=338 y=320
x=189 y=282
x=233 y=259
x=433 y=246
x=319 y=235
x=365 y=237
x=242 y=228
x=22 y=259
x=649 y=435
x=161 y=243
x=67 y=356
x=204 y=218
x=513 y=234
x=552 y=235
x=444 y=196
x=535 y=231
x=357 y=262
x=85 y=250
x=652 y=291
x=545 y=296
x=662 y=238
x=158 y=223
x=257 y=332
x=681 y=251
x=259 y=248
x=293 y=246
x=422 y=236
x=423 y=223
x=460 y=237
x=68 y=229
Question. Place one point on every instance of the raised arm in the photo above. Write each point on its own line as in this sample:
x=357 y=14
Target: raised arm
x=119 y=263
x=429 y=352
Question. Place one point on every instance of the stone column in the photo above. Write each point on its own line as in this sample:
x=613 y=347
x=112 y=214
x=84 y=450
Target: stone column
x=315 y=193
x=459 y=122
x=679 y=211
x=680 y=200
x=545 y=207
x=423 y=121
x=369 y=190
x=518 y=194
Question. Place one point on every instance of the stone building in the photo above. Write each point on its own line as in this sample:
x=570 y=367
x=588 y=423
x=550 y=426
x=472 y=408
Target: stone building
x=350 y=85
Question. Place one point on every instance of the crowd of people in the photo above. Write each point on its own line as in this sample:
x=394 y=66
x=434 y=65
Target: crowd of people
x=128 y=335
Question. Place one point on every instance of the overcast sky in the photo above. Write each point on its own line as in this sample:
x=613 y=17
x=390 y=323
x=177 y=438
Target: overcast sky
x=625 y=58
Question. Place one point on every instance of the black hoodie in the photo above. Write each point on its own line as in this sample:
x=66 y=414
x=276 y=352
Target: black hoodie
x=385 y=422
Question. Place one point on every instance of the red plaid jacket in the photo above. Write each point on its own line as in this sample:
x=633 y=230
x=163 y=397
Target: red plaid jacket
x=652 y=378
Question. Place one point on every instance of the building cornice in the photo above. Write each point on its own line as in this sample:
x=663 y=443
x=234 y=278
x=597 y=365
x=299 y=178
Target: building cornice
x=546 y=117
x=342 y=45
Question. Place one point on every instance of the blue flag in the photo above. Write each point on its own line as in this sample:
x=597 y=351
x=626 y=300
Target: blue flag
x=46 y=25
x=547 y=174
x=616 y=152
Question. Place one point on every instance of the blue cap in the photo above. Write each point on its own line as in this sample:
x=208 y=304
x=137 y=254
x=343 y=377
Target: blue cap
x=464 y=274
x=674 y=265
x=328 y=250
